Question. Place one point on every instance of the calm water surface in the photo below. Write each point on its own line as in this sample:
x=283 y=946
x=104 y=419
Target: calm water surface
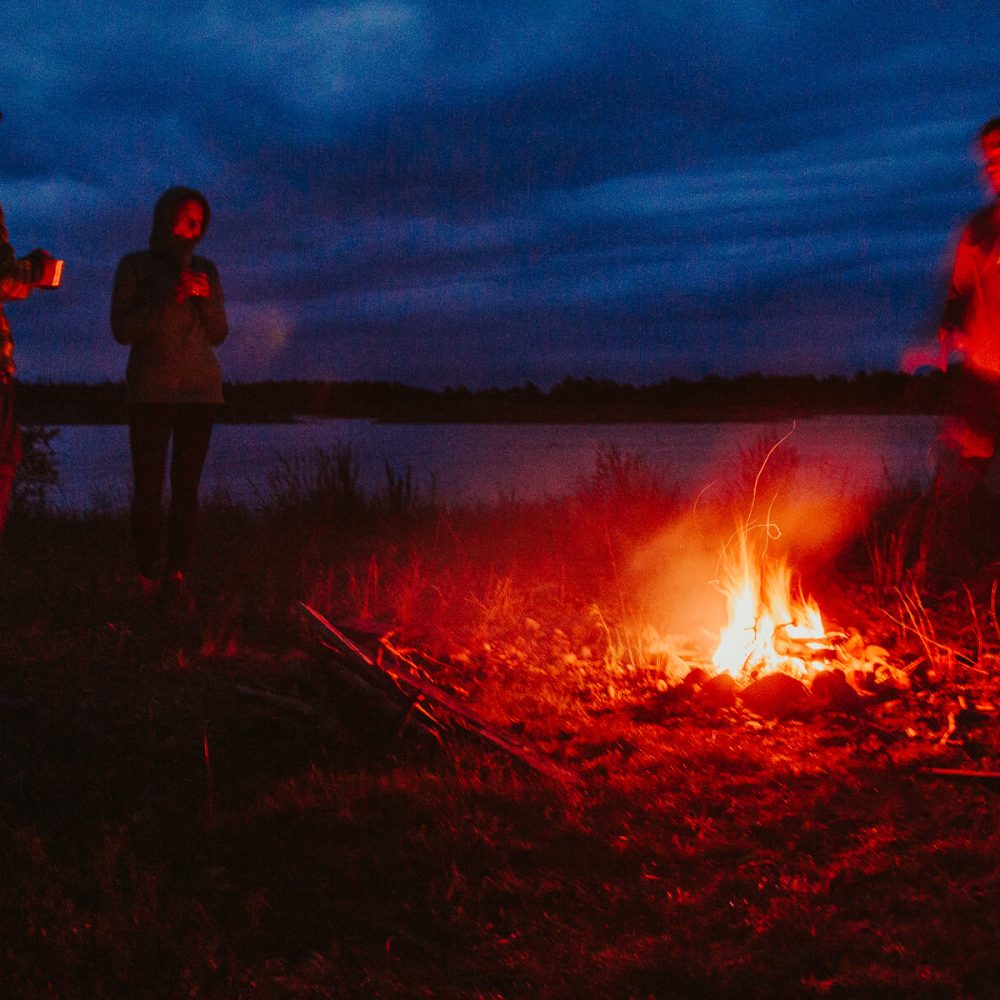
x=484 y=462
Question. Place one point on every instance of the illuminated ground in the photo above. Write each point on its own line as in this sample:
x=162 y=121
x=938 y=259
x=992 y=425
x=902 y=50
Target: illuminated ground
x=166 y=834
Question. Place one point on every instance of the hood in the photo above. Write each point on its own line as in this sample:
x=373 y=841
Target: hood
x=161 y=239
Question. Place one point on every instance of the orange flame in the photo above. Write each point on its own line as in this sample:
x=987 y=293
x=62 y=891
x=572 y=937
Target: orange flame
x=767 y=629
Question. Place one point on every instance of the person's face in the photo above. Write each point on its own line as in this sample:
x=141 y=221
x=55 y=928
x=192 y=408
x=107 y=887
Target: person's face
x=189 y=220
x=991 y=160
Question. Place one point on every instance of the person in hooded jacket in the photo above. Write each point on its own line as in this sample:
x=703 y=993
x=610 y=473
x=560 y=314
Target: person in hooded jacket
x=167 y=306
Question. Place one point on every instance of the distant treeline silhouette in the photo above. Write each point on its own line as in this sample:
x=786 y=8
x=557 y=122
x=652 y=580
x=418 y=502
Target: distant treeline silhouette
x=574 y=400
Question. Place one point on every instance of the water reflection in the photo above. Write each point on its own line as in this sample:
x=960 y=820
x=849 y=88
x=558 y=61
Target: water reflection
x=484 y=462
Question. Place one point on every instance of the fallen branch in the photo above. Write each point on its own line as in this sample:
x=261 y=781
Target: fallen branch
x=414 y=690
x=281 y=701
x=350 y=657
x=959 y=772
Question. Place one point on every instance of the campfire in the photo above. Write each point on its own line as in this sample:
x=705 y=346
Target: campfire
x=774 y=647
x=770 y=625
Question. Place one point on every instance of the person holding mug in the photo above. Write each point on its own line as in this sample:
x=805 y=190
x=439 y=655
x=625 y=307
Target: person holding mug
x=167 y=306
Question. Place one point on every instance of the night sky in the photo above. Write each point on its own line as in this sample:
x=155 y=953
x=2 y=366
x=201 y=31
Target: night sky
x=459 y=193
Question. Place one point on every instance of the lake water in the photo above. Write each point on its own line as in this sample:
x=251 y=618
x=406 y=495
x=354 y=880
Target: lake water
x=484 y=462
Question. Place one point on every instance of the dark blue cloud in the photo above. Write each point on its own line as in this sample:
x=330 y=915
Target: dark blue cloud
x=445 y=193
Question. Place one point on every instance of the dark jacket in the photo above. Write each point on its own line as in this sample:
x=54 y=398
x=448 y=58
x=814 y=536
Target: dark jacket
x=172 y=358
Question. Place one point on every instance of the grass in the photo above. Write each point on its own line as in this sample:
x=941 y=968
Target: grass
x=162 y=834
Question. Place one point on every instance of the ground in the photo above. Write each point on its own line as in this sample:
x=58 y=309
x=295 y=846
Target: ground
x=192 y=803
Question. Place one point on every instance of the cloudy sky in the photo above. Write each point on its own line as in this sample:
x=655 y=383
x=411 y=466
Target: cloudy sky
x=447 y=193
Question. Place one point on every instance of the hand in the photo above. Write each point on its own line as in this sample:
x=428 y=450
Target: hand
x=918 y=356
x=38 y=257
x=951 y=340
x=192 y=284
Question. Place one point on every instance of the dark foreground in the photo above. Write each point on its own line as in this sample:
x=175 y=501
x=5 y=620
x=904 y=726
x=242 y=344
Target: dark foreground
x=167 y=830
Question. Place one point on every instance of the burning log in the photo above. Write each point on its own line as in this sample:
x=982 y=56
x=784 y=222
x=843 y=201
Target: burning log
x=808 y=649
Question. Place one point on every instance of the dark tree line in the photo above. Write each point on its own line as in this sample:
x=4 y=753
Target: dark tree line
x=574 y=400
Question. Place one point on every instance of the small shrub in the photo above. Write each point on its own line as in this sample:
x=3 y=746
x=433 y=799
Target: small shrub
x=317 y=478
x=899 y=541
x=39 y=469
x=619 y=477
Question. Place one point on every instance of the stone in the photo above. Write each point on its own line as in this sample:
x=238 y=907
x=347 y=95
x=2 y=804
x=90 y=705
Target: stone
x=776 y=695
x=831 y=689
x=718 y=691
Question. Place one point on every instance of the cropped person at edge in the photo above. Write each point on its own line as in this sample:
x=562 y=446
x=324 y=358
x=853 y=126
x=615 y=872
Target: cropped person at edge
x=18 y=278
x=970 y=328
x=167 y=304
x=970 y=321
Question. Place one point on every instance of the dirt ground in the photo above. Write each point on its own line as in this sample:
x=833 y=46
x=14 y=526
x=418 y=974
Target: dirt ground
x=194 y=803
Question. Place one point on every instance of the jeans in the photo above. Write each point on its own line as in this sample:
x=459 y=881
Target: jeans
x=151 y=426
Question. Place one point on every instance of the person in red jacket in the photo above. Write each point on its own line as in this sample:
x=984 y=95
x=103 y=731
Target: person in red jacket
x=167 y=306
x=969 y=334
x=970 y=321
x=19 y=276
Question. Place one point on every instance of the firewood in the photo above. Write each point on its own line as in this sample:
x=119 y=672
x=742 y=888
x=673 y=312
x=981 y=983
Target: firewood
x=350 y=657
x=293 y=705
x=415 y=689
x=959 y=772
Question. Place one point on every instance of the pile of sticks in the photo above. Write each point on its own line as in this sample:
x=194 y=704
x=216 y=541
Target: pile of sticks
x=390 y=688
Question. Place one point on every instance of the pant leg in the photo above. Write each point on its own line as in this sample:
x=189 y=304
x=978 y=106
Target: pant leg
x=6 y=489
x=969 y=442
x=192 y=433
x=10 y=446
x=149 y=429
